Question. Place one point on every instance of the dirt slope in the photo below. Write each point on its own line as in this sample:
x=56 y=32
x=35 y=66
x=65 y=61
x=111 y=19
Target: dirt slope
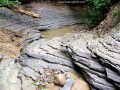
x=10 y=43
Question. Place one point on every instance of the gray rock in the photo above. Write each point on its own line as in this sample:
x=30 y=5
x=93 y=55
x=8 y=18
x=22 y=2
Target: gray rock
x=68 y=85
x=8 y=75
x=28 y=72
x=98 y=61
x=98 y=82
x=50 y=19
x=38 y=65
x=86 y=69
x=116 y=36
x=34 y=50
x=115 y=76
x=90 y=63
x=30 y=37
x=117 y=85
x=27 y=83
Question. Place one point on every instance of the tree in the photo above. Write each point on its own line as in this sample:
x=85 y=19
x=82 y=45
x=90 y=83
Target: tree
x=8 y=3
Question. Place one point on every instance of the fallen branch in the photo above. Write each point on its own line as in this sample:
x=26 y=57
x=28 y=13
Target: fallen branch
x=22 y=11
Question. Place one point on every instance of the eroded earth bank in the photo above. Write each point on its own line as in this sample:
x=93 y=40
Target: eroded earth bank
x=33 y=57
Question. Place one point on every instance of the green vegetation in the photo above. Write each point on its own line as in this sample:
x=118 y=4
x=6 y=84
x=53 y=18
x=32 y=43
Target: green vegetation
x=43 y=87
x=116 y=12
x=8 y=3
x=96 y=11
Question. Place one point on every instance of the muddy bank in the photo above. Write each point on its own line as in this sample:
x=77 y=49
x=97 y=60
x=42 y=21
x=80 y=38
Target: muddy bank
x=10 y=43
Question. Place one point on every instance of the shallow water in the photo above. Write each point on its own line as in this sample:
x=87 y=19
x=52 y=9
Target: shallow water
x=58 y=32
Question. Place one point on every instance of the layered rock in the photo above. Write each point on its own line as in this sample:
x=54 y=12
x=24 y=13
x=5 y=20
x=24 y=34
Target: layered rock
x=42 y=60
x=43 y=52
x=99 y=61
x=52 y=17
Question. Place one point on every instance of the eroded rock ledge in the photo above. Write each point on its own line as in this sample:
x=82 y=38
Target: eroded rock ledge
x=42 y=59
x=99 y=61
x=51 y=17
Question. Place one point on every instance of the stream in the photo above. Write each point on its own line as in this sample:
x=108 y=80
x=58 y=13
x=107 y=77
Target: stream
x=55 y=51
x=49 y=34
x=41 y=62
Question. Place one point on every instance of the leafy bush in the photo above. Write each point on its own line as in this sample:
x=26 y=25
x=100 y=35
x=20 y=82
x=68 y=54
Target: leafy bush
x=101 y=4
x=96 y=11
x=116 y=12
x=8 y=3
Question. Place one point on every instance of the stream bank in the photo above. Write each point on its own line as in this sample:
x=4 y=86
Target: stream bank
x=75 y=57
x=31 y=70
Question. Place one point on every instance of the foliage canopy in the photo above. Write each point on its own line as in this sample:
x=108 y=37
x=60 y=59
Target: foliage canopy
x=96 y=11
x=9 y=3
